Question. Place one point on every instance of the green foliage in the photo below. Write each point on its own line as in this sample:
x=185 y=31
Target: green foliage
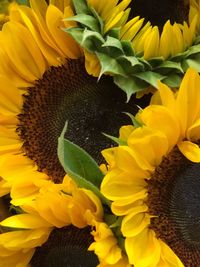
x=80 y=166
x=130 y=71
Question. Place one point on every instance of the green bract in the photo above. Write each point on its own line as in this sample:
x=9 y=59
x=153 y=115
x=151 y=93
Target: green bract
x=117 y=58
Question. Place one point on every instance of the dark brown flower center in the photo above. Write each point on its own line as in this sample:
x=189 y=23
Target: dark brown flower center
x=66 y=247
x=68 y=93
x=174 y=197
x=158 y=12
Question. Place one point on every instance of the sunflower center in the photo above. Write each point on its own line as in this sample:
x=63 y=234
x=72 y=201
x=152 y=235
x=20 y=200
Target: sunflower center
x=185 y=203
x=68 y=93
x=66 y=247
x=174 y=198
x=158 y=12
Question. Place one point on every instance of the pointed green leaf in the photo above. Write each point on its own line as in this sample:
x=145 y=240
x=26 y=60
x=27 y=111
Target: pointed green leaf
x=23 y=2
x=81 y=7
x=85 y=20
x=75 y=33
x=118 y=141
x=78 y=161
x=156 y=61
x=195 y=49
x=130 y=85
x=79 y=165
x=130 y=64
x=173 y=80
x=128 y=49
x=98 y=18
x=135 y=122
x=109 y=65
x=95 y=37
x=150 y=77
x=169 y=66
x=194 y=63
x=115 y=33
x=113 y=42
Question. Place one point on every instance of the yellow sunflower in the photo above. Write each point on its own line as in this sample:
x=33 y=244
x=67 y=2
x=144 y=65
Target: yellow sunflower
x=43 y=83
x=49 y=86
x=58 y=206
x=160 y=42
x=153 y=179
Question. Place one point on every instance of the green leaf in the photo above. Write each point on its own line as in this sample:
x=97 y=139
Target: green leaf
x=95 y=37
x=195 y=49
x=98 y=18
x=86 y=20
x=156 y=61
x=173 y=80
x=23 y=2
x=194 y=63
x=80 y=166
x=169 y=66
x=78 y=161
x=130 y=85
x=118 y=141
x=127 y=47
x=150 y=77
x=109 y=65
x=115 y=33
x=113 y=42
x=130 y=64
x=76 y=33
x=81 y=7
x=135 y=122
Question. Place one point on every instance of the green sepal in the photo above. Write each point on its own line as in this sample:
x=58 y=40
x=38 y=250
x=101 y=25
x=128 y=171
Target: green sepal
x=190 y=62
x=98 y=18
x=167 y=67
x=86 y=20
x=75 y=33
x=173 y=80
x=130 y=64
x=135 y=122
x=115 y=33
x=80 y=166
x=128 y=49
x=110 y=65
x=130 y=85
x=81 y=7
x=94 y=37
x=155 y=61
x=113 y=42
x=150 y=77
x=23 y=2
x=118 y=141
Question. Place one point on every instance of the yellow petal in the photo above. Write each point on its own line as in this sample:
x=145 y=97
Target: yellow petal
x=68 y=47
x=190 y=150
x=151 y=45
x=169 y=256
x=136 y=221
x=25 y=221
x=188 y=107
x=144 y=249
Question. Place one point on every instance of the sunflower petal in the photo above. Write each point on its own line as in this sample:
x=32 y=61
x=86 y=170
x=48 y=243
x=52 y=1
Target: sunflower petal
x=190 y=151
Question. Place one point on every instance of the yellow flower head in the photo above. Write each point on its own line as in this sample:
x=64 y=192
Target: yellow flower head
x=54 y=206
x=162 y=45
x=153 y=179
x=49 y=85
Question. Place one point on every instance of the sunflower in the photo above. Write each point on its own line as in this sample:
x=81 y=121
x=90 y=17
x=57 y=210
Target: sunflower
x=153 y=182
x=52 y=88
x=49 y=86
x=156 y=42
x=57 y=206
